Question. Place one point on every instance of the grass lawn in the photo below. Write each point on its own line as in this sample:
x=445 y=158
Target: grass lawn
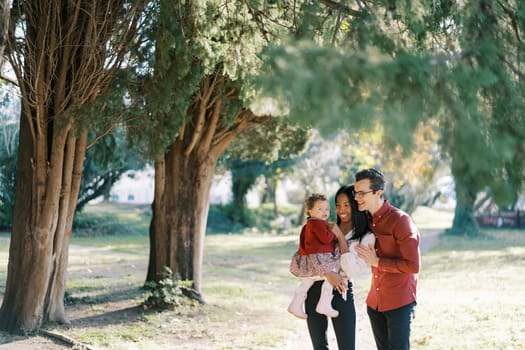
x=470 y=291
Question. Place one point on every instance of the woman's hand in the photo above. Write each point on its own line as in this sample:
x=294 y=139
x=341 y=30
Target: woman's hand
x=337 y=281
x=341 y=240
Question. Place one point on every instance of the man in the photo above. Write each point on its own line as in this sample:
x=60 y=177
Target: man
x=395 y=262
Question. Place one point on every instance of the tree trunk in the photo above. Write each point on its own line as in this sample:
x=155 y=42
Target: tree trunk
x=243 y=179
x=464 y=222
x=74 y=158
x=270 y=193
x=158 y=235
x=180 y=213
x=99 y=186
x=46 y=194
x=183 y=180
x=180 y=210
x=271 y=189
x=301 y=218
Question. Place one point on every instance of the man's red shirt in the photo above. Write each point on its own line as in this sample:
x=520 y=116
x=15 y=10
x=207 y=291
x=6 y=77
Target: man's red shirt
x=394 y=281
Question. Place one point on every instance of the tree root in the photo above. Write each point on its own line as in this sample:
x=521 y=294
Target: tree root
x=192 y=294
x=65 y=339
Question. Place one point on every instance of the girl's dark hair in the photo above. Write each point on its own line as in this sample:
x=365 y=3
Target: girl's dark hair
x=359 y=219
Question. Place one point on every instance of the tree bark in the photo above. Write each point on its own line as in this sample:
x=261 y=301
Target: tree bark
x=75 y=153
x=180 y=212
x=4 y=22
x=44 y=206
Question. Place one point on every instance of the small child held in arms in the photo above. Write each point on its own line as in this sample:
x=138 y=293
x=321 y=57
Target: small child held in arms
x=316 y=256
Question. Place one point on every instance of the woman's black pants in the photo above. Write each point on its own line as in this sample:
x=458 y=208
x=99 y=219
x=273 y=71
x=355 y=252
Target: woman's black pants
x=344 y=324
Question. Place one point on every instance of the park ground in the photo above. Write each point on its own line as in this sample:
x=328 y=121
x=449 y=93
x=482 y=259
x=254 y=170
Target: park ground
x=470 y=294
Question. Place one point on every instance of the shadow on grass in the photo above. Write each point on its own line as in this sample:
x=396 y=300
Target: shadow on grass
x=117 y=306
x=115 y=317
x=99 y=295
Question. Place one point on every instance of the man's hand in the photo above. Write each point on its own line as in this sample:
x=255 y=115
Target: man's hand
x=368 y=254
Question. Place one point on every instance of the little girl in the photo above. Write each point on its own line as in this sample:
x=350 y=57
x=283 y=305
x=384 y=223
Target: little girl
x=316 y=256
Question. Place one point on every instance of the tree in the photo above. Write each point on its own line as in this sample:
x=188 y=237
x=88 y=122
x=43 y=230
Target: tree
x=401 y=63
x=483 y=99
x=270 y=150
x=64 y=53
x=409 y=173
x=105 y=162
x=203 y=56
x=190 y=80
x=183 y=180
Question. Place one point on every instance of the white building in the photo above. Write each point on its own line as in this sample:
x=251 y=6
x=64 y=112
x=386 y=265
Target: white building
x=134 y=187
x=138 y=187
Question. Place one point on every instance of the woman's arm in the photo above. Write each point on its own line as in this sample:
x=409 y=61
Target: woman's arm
x=341 y=241
x=351 y=263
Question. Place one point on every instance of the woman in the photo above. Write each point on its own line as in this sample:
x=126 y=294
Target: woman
x=354 y=226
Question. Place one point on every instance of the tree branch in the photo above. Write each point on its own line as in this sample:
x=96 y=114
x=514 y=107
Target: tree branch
x=340 y=7
x=512 y=16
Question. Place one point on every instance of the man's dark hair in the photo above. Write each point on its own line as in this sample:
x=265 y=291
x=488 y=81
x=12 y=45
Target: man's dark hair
x=377 y=179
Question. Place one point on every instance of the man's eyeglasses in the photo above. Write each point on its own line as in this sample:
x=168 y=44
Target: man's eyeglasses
x=360 y=194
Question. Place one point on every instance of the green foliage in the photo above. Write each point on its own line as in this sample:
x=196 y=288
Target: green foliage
x=274 y=140
x=167 y=293
x=271 y=150
x=111 y=221
x=244 y=175
x=263 y=219
x=332 y=89
x=104 y=164
x=164 y=76
x=90 y=225
x=9 y=112
x=409 y=172
x=266 y=220
x=8 y=171
x=405 y=62
x=225 y=218
x=183 y=44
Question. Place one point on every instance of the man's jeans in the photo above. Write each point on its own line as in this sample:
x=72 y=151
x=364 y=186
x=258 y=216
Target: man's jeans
x=392 y=328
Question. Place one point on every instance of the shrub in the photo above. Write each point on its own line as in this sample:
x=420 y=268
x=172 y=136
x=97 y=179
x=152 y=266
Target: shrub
x=166 y=293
